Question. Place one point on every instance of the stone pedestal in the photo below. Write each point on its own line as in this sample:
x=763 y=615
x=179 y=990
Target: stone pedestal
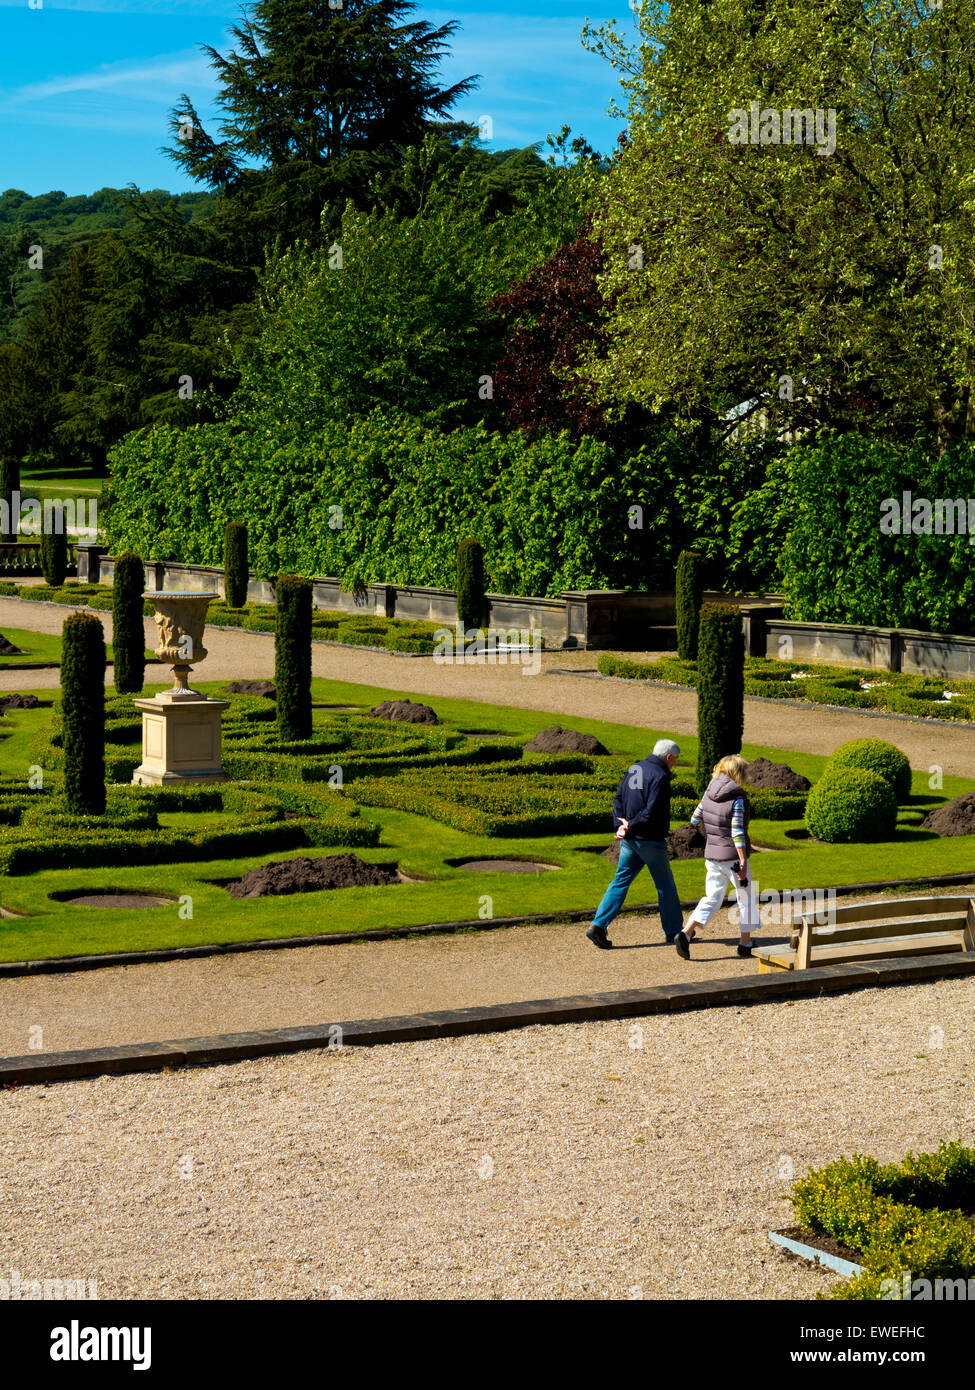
x=180 y=741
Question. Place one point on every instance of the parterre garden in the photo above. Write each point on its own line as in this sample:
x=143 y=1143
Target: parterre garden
x=427 y=798
x=928 y=696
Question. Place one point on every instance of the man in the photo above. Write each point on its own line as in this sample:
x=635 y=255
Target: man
x=641 y=814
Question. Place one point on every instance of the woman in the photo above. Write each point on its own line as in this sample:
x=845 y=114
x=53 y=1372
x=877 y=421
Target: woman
x=725 y=813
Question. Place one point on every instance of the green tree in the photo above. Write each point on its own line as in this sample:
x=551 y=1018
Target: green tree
x=822 y=284
x=317 y=101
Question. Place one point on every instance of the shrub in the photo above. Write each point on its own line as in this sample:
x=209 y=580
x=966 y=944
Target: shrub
x=906 y=1217
x=54 y=549
x=9 y=484
x=720 y=688
x=471 y=605
x=83 y=713
x=235 y=572
x=128 y=634
x=292 y=656
x=851 y=805
x=690 y=592
x=876 y=756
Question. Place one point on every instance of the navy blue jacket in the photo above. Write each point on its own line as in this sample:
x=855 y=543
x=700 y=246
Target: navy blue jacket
x=643 y=799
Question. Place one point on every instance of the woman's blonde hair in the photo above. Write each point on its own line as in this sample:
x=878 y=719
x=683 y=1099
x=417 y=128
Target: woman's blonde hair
x=734 y=766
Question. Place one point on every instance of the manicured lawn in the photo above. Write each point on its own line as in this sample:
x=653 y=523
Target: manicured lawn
x=422 y=847
x=39 y=646
x=34 y=646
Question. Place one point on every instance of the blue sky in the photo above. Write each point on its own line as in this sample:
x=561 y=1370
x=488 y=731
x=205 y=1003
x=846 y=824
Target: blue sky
x=86 y=85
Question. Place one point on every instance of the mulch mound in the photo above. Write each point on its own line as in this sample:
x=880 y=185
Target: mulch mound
x=310 y=876
x=7 y=647
x=405 y=711
x=556 y=740
x=683 y=843
x=768 y=776
x=954 y=818
x=265 y=688
x=18 y=702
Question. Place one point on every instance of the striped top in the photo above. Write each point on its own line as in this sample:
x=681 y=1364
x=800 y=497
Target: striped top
x=737 y=822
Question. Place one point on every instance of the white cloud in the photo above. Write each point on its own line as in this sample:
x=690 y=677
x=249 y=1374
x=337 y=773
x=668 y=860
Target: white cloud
x=169 y=72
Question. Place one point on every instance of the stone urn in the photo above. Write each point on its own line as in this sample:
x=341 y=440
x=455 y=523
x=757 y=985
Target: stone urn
x=181 y=733
x=180 y=622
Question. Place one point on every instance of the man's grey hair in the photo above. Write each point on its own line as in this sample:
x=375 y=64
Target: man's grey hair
x=665 y=747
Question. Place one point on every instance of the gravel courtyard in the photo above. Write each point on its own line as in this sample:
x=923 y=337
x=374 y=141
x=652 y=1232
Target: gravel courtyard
x=602 y=1160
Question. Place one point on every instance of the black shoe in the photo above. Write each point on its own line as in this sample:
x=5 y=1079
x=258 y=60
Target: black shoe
x=744 y=950
x=598 y=937
x=682 y=942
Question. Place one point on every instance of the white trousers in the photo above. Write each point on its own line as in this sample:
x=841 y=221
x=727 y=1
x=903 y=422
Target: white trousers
x=719 y=875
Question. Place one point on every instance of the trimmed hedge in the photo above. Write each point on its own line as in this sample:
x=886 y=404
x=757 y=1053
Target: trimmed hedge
x=851 y=805
x=898 y=1217
x=128 y=634
x=54 y=549
x=551 y=512
x=83 y=713
x=825 y=685
x=689 y=597
x=235 y=572
x=471 y=603
x=292 y=656
x=875 y=755
x=720 y=687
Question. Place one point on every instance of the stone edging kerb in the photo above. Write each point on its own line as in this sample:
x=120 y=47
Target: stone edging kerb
x=493 y=1018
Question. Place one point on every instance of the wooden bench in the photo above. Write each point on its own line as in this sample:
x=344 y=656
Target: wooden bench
x=872 y=931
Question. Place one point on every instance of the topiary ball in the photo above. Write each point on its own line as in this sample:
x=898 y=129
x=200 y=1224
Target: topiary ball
x=874 y=755
x=851 y=805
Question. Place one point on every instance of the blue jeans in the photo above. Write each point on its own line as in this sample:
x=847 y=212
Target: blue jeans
x=633 y=855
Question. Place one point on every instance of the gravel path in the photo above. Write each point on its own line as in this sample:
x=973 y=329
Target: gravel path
x=370 y=979
x=816 y=730
x=562 y=1162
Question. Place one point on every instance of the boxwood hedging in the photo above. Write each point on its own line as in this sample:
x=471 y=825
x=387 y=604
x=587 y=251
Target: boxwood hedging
x=899 y=1217
x=878 y=756
x=851 y=805
x=823 y=685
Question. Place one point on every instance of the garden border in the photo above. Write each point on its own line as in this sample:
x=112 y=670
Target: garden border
x=58 y=965
x=218 y=627
x=493 y=1018
x=964 y=725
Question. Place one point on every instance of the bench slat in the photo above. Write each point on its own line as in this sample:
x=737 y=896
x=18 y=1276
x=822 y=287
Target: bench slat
x=785 y=959
x=896 y=907
x=921 y=926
